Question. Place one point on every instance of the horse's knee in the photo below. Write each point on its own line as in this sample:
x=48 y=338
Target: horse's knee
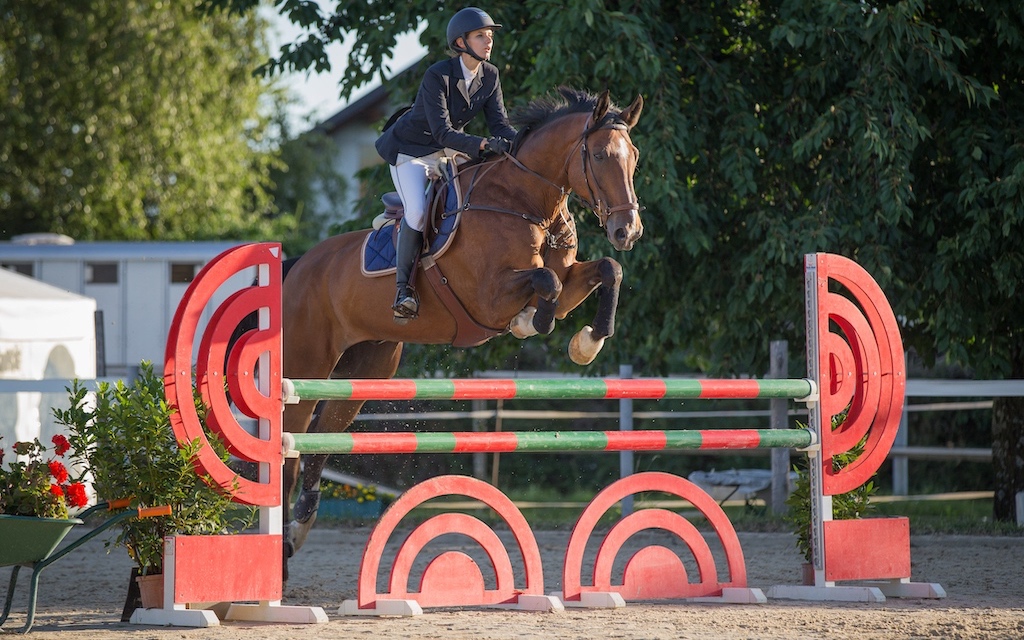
x=546 y=284
x=610 y=272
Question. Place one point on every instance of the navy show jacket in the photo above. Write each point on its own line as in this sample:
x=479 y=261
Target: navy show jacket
x=443 y=107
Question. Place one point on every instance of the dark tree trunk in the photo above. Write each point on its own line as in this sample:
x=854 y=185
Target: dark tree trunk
x=1007 y=455
x=1008 y=446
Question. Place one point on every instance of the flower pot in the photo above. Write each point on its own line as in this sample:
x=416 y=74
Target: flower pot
x=27 y=539
x=808 y=574
x=151 y=590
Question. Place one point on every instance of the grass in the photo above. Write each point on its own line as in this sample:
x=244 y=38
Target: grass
x=963 y=517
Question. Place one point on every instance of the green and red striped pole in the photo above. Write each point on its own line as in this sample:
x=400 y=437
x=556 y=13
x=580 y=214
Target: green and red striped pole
x=544 y=389
x=545 y=441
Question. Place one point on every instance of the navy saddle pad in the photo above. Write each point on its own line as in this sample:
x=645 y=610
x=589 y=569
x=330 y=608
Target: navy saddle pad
x=379 y=249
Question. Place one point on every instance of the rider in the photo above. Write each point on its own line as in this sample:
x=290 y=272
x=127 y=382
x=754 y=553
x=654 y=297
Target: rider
x=452 y=92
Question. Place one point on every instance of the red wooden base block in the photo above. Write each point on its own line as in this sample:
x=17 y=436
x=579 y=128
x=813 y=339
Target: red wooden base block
x=867 y=549
x=244 y=567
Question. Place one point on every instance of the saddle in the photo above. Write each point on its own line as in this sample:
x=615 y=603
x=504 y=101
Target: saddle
x=445 y=211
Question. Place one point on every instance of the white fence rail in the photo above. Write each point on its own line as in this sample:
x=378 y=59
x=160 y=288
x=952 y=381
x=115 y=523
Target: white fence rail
x=481 y=416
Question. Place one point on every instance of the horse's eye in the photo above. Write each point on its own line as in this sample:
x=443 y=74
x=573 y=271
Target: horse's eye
x=600 y=155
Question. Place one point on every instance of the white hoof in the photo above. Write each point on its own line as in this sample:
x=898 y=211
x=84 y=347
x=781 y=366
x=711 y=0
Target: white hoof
x=583 y=347
x=522 y=325
x=297 y=532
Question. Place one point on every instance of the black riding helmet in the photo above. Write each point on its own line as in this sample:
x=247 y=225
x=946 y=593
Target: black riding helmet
x=466 y=20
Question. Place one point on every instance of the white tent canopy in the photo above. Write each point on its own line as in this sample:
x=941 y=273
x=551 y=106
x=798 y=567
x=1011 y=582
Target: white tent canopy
x=45 y=333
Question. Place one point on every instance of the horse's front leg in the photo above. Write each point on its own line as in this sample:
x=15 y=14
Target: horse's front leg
x=580 y=280
x=304 y=512
x=330 y=414
x=547 y=287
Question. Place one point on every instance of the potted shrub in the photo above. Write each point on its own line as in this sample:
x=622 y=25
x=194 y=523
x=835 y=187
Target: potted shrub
x=129 y=448
x=847 y=506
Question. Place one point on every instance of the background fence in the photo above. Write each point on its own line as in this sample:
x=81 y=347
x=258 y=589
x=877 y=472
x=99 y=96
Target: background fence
x=939 y=396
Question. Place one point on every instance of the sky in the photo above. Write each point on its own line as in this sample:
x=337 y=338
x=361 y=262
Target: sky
x=318 y=93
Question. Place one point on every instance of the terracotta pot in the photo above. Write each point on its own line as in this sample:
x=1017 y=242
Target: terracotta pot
x=151 y=590
x=808 y=573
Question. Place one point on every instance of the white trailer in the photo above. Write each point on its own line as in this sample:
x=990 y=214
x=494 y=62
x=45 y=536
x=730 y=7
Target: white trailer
x=136 y=285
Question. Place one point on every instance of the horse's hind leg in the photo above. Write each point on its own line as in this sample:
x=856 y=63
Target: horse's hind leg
x=363 y=360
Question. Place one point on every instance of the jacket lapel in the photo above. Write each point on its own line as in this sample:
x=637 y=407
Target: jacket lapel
x=478 y=81
x=461 y=84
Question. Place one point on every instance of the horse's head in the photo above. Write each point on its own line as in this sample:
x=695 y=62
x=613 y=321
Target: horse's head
x=603 y=177
x=598 y=158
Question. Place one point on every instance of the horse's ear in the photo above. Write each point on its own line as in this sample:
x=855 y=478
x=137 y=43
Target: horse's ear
x=601 y=108
x=631 y=114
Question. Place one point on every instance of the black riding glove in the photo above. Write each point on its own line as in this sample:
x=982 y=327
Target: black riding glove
x=497 y=146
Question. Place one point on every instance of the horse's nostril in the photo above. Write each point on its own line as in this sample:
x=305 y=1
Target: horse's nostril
x=620 y=234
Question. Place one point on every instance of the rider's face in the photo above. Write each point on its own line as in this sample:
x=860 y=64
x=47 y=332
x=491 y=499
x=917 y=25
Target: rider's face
x=480 y=42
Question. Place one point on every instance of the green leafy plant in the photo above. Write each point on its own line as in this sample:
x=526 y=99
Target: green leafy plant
x=40 y=486
x=130 y=450
x=847 y=506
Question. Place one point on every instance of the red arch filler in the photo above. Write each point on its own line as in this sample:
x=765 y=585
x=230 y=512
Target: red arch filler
x=453 y=578
x=653 y=572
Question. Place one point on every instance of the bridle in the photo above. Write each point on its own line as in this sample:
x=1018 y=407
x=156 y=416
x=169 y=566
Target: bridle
x=595 y=203
x=598 y=206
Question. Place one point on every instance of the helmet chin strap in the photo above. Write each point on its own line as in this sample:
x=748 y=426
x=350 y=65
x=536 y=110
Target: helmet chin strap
x=467 y=50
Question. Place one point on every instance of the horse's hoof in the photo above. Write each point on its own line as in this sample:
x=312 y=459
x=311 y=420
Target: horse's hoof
x=583 y=347
x=298 y=532
x=522 y=325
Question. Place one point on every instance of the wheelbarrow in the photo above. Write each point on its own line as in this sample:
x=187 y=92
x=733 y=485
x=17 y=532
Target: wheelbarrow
x=30 y=542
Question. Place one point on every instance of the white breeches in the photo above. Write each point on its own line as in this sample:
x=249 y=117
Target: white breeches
x=410 y=176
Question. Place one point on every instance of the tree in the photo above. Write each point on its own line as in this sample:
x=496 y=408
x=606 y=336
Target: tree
x=885 y=131
x=303 y=183
x=121 y=119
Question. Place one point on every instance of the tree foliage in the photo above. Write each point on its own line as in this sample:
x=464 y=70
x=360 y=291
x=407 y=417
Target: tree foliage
x=883 y=131
x=125 y=119
x=888 y=132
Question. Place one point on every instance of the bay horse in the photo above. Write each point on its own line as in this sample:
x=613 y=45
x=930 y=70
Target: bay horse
x=512 y=264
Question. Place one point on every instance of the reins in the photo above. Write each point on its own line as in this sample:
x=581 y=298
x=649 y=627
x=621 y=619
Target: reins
x=602 y=211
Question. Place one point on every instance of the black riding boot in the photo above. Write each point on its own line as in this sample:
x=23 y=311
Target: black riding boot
x=410 y=244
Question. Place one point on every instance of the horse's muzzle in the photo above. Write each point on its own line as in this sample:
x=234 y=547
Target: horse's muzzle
x=625 y=234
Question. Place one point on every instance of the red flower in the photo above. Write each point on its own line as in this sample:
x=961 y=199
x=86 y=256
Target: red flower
x=58 y=471
x=56 y=490
x=61 y=443
x=76 y=495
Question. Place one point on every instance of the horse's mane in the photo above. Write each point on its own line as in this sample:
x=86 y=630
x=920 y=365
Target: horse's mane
x=548 y=108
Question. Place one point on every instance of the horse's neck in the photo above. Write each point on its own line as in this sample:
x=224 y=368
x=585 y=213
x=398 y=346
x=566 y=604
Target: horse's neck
x=543 y=185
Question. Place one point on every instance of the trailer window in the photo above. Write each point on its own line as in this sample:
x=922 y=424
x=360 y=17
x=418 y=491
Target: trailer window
x=183 y=272
x=24 y=268
x=100 y=273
